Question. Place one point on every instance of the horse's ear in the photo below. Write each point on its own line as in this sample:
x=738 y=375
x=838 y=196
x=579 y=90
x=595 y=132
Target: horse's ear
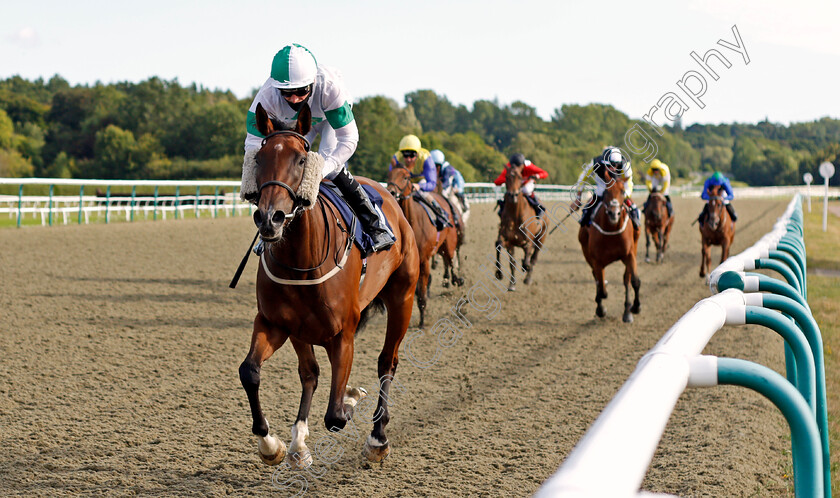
x=264 y=125
x=304 y=122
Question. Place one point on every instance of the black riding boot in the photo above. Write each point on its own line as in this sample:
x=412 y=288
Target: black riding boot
x=463 y=201
x=669 y=206
x=501 y=204
x=587 y=211
x=635 y=216
x=731 y=212
x=358 y=200
x=703 y=214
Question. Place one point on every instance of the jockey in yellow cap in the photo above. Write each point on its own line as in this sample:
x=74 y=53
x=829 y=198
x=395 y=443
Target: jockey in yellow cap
x=658 y=179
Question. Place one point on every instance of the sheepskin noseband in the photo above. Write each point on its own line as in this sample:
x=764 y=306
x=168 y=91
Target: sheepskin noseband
x=308 y=189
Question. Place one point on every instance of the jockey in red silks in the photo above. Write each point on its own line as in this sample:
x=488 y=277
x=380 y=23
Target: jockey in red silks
x=530 y=173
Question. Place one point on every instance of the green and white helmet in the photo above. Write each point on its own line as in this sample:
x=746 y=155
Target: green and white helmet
x=294 y=66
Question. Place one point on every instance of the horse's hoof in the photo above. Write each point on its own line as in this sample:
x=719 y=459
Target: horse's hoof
x=376 y=453
x=299 y=460
x=498 y=274
x=459 y=281
x=628 y=318
x=511 y=288
x=702 y=274
x=528 y=280
x=279 y=453
x=353 y=395
x=600 y=313
x=446 y=284
x=647 y=259
x=636 y=309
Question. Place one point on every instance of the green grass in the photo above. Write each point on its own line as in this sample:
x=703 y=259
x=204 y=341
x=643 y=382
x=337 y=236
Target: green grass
x=824 y=300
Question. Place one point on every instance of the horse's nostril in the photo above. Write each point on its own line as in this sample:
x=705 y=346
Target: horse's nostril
x=278 y=217
x=258 y=217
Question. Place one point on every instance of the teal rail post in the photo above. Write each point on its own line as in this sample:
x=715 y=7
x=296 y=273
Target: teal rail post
x=795 y=338
x=154 y=209
x=49 y=214
x=197 y=194
x=771 y=264
x=177 y=201
x=107 y=204
x=20 y=204
x=807 y=460
x=133 y=195
x=809 y=327
x=81 y=204
x=792 y=264
x=216 y=203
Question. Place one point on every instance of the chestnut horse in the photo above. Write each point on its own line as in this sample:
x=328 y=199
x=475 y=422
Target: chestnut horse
x=429 y=240
x=518 y=215
x=717 y=230
x=612 y=237
x=657 y=225
x=305 y=294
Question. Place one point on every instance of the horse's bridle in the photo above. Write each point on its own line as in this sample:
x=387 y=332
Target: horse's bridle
x=719 y=209
x=401 y=188
x=297 y=202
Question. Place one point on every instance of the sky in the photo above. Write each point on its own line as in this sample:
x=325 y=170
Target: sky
x=546 y=53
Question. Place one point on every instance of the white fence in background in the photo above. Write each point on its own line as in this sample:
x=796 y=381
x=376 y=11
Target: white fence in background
x=225 y=198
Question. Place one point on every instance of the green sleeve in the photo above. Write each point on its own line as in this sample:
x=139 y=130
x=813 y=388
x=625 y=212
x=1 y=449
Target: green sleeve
x=340 y=117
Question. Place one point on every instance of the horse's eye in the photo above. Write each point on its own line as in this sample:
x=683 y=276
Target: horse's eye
x=302 y=161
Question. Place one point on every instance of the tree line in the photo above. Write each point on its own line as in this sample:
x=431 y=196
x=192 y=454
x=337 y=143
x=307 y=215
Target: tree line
x=158 y=129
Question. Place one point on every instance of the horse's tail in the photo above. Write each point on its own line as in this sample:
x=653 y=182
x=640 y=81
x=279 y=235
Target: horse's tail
x=376 y=306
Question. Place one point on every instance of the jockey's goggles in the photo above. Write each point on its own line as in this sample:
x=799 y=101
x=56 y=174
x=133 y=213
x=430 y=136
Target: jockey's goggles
x=408 y=153
x=297 y=92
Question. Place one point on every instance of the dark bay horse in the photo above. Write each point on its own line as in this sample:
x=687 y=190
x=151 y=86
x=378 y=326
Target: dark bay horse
x=306 y=295
x=717 y=230
x=612 y=237
x=429 y=240
x=657 y=225
x=518 y=215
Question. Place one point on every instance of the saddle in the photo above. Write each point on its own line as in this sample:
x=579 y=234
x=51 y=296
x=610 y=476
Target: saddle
x=334 y=196
x=435 y=213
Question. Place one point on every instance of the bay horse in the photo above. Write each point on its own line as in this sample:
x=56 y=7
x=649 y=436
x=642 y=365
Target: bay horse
x=606 y=240
x=305 y=295
x=518 y=215
x=658 y=225
x=717 y=230
x=429 y=240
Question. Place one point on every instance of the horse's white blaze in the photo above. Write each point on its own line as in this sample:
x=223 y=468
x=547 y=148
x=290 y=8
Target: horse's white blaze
x=269 y=445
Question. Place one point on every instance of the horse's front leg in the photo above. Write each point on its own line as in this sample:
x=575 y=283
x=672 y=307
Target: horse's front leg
x=660 y=244
x=724 y=250
x=705 y=258
x=423 y=290
x=299 y=456
x=647 y=245
x=600 y=289
x=512 y=281
x=498 y=251
x=340 y=352
x=265 y=340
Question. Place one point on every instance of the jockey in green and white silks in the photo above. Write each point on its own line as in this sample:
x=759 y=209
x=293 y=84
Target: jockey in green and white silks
x=297 y=79
x=613 y=161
